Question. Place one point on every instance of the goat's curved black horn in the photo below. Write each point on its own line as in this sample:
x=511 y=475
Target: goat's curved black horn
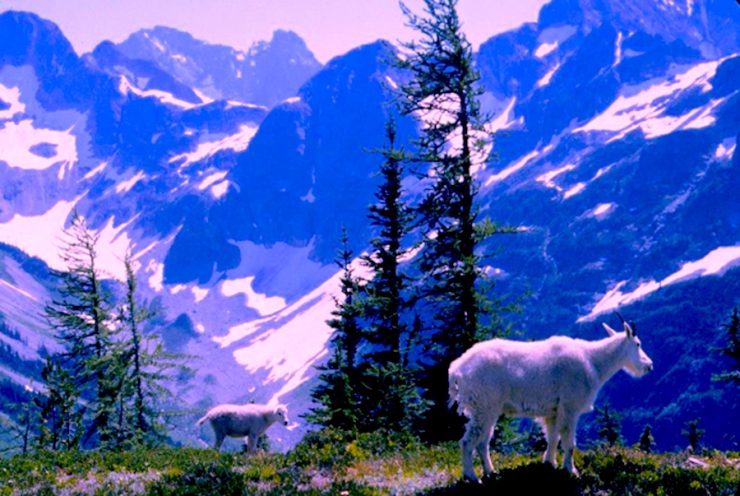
x=634 y=327
x=620 y=317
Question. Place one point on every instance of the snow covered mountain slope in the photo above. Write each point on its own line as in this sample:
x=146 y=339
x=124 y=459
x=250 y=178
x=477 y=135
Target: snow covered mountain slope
x=617 y=150
x=268 y=73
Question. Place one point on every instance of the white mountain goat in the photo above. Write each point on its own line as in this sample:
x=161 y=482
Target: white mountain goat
x=553 y=381
x=249 y=421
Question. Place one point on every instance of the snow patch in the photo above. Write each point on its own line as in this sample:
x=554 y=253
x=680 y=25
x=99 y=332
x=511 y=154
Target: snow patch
x=125 y=186
x=516 y=166
x=642 y=106
x=547 y=177
x=39 y=235
x=577 y=188
x=199 y=294
x=18 y=139
x=211 y=179
x=263 y=304
x=237 y=142
x=602 y=209
x=125 y=87
x=545 y=49
x=545 y=80
x=715 y=262
x=97 y=170
x=220 y=189
x=726 y=149
x=12 y=97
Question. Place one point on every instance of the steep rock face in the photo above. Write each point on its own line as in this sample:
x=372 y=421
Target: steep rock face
x=308 y=171
x=267 y=74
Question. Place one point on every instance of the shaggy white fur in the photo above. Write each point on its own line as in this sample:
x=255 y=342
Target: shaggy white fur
x=248 y=421
x=554 y=381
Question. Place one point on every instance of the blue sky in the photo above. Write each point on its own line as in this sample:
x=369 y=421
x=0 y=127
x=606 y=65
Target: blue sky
x=330 y=27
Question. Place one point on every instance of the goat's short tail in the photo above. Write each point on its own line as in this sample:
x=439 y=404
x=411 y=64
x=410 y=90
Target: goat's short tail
x=202 y=420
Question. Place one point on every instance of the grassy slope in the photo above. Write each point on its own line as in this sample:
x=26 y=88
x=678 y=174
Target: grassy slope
x=369 y=466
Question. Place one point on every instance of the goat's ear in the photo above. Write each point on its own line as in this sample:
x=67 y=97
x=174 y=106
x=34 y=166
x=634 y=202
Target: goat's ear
x=628 y=330
x=611 y=331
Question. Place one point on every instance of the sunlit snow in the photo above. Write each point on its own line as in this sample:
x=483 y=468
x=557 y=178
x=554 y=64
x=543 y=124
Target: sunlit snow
x=726 y=149
x=602 y=209
x=39 y=235
x=11 y=96
x=237 y=142
x=263 y=304
x=548 y=177
x=642 y=106
x=574 y=190
x=545 y=80
x=125 y=186
x=516 y=166
x=125 y=87
x=17 y=140
x=545 y=49
x=715 y=262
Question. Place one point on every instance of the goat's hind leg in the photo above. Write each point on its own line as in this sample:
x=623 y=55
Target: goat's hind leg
x=484 y=444
x=470 y=440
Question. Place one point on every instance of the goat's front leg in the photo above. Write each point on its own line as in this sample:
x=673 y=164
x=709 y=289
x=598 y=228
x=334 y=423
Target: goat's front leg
x=552 y=435
x=568 y=438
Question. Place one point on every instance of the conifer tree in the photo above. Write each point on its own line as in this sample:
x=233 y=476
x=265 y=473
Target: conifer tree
x=147 y=367
x=610 y=429
x=81 y=318
x=337 y=390
x=647 y=441
x=443 y=90
x=731 y=350
x=693 y=433
x=60 y=410
x=390 y=395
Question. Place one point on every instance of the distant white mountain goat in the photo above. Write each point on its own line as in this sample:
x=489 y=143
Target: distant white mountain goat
x=249 y=421
x=554 y=381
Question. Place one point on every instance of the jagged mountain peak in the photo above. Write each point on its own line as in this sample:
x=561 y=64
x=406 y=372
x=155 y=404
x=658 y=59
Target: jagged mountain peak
x=707 y=25
x=270 y=72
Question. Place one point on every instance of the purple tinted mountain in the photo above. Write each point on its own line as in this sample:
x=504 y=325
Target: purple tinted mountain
x=268 y=73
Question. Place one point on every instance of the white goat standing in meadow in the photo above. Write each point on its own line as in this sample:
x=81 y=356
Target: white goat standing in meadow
x=250 y=421
x=554 y=381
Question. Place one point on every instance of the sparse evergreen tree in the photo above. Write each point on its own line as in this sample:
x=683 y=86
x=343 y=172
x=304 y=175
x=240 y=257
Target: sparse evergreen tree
x=647 y=441
x=80 y=316
x=610 y=428
x=60 y=410
x=443 y=90
x=145 y=369
x=693 y=433
x=731 y=350
x=390 y=395
x=337 y=390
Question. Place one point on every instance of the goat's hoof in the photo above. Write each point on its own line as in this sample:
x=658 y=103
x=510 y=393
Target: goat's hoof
x=471 y=480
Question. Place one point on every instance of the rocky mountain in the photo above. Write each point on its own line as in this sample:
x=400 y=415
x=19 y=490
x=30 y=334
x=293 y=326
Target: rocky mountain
x=268 y=73
x=616 y=152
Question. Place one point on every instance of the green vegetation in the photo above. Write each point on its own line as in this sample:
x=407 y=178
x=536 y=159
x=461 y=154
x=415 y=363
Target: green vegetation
x=330 y=462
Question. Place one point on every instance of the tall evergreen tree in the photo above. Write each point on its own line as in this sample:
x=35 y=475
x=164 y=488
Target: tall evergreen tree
x=81 y=318
x=391 y=397
x=337 y=390
x=443 y=90
x=145 y=369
